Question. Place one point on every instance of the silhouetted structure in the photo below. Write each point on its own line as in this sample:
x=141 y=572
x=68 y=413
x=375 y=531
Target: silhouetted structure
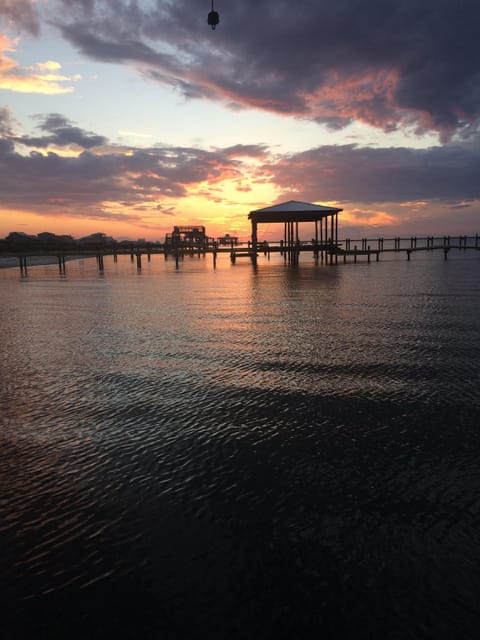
x=227 y=241
x=186 y=239
x=291 y=213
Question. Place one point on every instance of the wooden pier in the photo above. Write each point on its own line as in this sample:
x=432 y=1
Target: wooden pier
x=364 y=248
x=328 y=253
x=408 y=246
x=193 y=241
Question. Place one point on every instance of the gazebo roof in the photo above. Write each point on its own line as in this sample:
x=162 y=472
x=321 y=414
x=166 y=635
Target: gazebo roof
x=292 y=211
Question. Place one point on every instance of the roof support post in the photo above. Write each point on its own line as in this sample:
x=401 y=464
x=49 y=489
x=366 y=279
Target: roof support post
x=336 y=237
x=254 y=242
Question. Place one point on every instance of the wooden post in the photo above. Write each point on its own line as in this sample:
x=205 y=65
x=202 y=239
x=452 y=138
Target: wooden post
x=23 y=264
x=297 y=243
x=325 y=236
x=290 y=242
x=336 y=238
x=254 y=242
x=321 y=240
x=294 y=246
x=331 y=238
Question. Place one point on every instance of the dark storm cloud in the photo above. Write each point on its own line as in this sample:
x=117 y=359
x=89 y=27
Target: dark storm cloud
x=350 y=173
x=107 y=48
x=389 y=63
x=62 y=133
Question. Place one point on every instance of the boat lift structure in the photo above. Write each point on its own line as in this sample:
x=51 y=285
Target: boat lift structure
x=291 y=214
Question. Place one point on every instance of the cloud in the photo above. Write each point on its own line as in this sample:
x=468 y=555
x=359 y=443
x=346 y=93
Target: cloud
x=351 y=173
x=21 y=14
x=43 y=77
x=110 y=177
x=375 y=185
x=62 y=134
x=392 y=65
x=6 y=124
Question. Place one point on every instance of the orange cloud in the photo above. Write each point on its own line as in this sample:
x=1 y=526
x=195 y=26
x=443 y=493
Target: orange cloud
x=368 y=98
x=43 y=77
x=369 y=217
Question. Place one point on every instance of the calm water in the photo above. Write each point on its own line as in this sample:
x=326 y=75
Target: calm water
x=238 y=453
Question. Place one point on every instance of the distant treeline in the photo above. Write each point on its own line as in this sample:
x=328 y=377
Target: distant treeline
x=19 y=241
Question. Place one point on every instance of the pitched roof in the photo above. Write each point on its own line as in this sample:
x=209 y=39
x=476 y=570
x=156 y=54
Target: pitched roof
x=294 y=205
x=292 y=210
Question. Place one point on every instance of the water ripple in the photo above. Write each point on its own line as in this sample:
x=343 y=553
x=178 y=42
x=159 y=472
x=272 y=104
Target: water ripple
x=200 y=445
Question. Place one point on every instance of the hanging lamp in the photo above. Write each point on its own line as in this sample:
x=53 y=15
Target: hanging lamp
x=213 y=18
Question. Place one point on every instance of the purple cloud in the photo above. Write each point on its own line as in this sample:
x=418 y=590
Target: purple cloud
x=62 y=134
x=350 y=173
x=389 y=64
x=22 y=14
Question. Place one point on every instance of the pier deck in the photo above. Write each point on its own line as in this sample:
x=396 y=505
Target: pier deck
x=326 y=252
x=364 y=247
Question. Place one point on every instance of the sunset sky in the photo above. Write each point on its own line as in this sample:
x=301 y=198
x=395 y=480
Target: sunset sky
x=130 y=116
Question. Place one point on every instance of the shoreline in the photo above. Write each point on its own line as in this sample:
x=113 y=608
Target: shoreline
x=37 y=261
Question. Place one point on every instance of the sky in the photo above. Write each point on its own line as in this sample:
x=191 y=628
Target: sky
x=128 y=117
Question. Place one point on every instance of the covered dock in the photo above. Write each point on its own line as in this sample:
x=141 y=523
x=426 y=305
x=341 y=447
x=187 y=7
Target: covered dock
x=291 y=214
